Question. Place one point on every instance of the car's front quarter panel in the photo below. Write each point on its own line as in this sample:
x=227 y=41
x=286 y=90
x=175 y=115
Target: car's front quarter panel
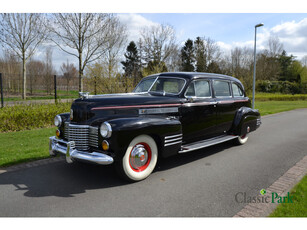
x=158 y=127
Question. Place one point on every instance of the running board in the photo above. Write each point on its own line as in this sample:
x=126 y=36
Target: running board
x=206 y=143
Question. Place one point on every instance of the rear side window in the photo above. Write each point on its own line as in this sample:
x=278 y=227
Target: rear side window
x=221 y=88
x=236 y=90
x=200 y=88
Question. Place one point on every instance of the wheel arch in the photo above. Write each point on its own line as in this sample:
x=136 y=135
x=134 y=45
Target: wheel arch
x=124 y=130
x=245 y=121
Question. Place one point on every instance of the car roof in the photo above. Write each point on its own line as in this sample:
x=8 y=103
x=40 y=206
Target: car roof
x=196 y=75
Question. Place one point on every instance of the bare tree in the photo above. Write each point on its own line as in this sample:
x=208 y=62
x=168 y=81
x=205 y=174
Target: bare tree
x=49 y=70
x=114 y=48
x=158 y=44
x=10 y=67
x=35 y=71
x=69 y=72
x=82 y=35
x=212 y=50
x=275 y=47
x=23 y=33
x=304 y=60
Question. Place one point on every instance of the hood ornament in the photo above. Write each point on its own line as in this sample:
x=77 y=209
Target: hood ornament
x=84 y=95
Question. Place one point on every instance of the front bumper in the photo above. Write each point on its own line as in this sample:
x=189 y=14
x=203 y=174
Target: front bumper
x=58 y=146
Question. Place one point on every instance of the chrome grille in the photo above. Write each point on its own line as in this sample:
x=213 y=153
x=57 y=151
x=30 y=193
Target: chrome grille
x=84 y=136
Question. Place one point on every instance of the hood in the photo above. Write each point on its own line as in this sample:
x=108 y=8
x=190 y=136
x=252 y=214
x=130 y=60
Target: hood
x=104 y=107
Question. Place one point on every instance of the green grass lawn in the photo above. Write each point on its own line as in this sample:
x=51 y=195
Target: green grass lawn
x=270 y=107
x=299 y=206
x=22 y=146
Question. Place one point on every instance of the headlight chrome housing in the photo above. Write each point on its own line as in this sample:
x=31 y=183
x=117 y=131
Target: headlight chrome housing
x=58 y=121
x=105 y=130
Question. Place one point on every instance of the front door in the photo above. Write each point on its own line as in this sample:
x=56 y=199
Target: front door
x=198 y=112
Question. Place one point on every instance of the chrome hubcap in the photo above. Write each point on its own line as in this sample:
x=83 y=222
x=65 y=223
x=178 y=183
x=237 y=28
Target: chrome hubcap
x=138 y=156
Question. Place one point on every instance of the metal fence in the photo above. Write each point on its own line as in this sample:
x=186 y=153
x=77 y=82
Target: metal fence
x=37 y=85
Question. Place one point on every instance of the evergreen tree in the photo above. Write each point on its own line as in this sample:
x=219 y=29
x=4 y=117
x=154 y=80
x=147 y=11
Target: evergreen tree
x=187 y=56
x=285 y=62
x=213 y=67
x=132 y=64
x=200 y=55
x=154 y=67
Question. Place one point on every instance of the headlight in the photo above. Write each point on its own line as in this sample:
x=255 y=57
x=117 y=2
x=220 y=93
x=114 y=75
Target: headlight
x=57 y=121
x=105 y=129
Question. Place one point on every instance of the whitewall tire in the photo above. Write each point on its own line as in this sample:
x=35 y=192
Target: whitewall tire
x=140 y=158
x=242 y=140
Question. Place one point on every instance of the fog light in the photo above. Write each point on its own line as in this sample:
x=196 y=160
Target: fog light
x=105 y=145
x=57 y=133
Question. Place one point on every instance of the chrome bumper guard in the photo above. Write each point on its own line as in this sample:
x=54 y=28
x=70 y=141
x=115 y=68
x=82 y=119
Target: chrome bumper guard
x=58 y=146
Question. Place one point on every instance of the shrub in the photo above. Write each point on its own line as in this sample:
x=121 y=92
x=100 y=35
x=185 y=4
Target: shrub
x=22 y=117
x=285 y=87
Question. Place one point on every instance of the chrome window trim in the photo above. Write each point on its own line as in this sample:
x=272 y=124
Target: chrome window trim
x=196 y=96
x=181 y=78
x=239 y=88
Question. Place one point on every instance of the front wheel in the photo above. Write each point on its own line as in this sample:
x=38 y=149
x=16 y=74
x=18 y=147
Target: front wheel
x=139 y=160
x=241 y=140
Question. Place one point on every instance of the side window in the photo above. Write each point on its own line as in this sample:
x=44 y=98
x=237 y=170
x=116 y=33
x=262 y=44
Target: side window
x=221 y=88
x=199 y=88
x=236 y=90
x=144 y=85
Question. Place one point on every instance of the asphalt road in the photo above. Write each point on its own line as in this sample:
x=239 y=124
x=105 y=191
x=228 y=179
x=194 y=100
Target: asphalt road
x=201 y=183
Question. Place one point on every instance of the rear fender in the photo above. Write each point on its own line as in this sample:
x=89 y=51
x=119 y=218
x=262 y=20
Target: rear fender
x=246 y=120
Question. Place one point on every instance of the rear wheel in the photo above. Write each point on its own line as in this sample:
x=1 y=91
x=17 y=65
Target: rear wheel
x=241 y=140
x=139 y=160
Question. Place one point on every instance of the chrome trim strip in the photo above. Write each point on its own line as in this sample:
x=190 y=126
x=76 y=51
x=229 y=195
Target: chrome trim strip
x=226 y=102
x=136 y=106
x=57 y=146
x=208 y=143
x=86 y=95
x=170 y=140
x=173 y=143
x=177 y=135
x=159 y=110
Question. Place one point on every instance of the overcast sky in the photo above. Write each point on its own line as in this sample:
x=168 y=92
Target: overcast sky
x=228 y=29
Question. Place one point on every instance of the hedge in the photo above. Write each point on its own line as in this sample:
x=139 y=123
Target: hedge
x=23 y=117
x=279 y=97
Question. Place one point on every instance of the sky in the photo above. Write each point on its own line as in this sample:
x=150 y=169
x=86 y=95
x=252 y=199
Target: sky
x=227 y=29
x=234 y=27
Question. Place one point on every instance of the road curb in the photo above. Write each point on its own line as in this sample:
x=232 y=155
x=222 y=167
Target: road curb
x=282 y=186
x=30 y=164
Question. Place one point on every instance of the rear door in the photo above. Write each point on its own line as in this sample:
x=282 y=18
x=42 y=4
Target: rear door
x=226 y=107
x=198 y=113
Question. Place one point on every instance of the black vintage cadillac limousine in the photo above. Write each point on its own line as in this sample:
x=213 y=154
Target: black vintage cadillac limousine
x=166 y=114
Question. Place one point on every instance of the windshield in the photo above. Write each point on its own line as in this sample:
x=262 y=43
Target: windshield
x=168 y=85
x=144 y=85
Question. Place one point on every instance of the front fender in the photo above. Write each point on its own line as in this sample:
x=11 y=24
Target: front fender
x=246 y=120
x=125 y=129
